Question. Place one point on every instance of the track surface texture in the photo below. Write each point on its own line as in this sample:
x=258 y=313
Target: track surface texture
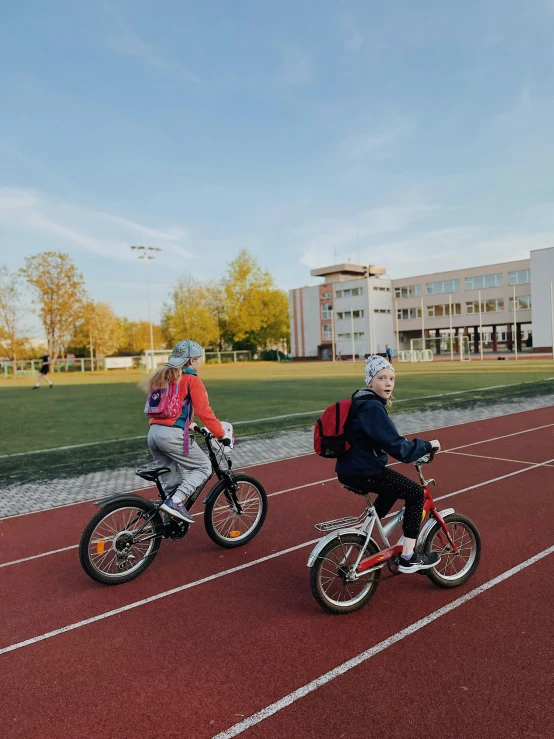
x=223 y=643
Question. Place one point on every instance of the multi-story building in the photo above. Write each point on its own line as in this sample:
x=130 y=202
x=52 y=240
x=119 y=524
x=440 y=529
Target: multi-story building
x=357 y=310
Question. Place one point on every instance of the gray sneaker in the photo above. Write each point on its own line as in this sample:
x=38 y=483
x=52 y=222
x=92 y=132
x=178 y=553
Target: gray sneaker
x=177 y=509
x=419 y=561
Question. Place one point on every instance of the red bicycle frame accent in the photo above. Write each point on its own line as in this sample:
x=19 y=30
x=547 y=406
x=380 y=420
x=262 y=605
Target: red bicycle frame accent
x=429 y=508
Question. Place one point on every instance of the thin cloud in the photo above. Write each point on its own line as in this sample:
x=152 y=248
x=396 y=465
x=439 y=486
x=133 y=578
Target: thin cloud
x=129 y=43
x=297 y=67
x=71 y=226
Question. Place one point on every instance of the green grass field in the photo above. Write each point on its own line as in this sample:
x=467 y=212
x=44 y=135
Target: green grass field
x=84 y=408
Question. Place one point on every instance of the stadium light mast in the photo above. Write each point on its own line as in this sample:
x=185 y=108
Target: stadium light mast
x=148 y=253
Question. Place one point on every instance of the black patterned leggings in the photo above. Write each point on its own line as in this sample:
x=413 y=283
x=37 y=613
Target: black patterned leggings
x=390 y=486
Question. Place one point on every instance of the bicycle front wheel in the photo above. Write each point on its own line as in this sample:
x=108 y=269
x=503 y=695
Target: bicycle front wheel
x=454 y=568
x=329 y=575
x=120 y=541
x=224 y=524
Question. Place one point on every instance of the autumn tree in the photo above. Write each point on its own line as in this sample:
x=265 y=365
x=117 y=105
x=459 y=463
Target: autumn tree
x=257 y=311
x=100 y=327
x=136 y=336
x=12 y=311
x=59 y=295
x=188 y=315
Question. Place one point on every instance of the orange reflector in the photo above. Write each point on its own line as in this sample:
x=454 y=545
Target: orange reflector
x=234 y=534
x=100 y=546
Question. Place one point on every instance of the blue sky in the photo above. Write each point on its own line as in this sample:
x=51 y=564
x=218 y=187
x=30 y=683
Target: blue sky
x=417 y=136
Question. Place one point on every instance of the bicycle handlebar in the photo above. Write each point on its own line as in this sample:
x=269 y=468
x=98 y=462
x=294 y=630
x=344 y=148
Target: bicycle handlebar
x=208 y=435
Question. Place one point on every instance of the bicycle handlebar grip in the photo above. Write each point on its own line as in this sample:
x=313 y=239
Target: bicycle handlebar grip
x=225 y=442
x=431 y=455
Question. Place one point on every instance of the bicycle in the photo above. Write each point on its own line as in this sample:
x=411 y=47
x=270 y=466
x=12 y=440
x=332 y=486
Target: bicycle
x=345 y=566
x=122 y=539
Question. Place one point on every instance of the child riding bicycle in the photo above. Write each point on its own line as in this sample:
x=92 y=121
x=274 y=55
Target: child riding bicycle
x=168 y=438
x=372 y=435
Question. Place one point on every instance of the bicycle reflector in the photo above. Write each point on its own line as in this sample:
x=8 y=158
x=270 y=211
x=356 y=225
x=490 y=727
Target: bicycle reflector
x=100 y=546
x=234 y=534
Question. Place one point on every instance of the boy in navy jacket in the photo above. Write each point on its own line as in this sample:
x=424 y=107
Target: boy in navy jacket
x=372 y=436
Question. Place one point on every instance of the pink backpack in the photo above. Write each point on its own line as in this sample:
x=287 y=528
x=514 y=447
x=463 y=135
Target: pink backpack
x=164 y=402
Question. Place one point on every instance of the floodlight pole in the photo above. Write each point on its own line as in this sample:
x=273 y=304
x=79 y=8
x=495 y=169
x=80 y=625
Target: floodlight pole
x=147 y=253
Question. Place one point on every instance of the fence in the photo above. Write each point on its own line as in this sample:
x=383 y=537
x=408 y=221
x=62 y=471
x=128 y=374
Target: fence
x=142 y=362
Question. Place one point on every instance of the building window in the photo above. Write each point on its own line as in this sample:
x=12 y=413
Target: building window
x=496 y=305
x=349 y=292
x=347 y=337
x=521 y=277
x=407 y=291
x=343 y=315
x=482 y=281
x=438 y=311
x=523 y=302
x=327 y=333
x=382 y=289
x=407 y=314
x=326 y=296
x=443 y=286
x=326 y=311
x=381 y=310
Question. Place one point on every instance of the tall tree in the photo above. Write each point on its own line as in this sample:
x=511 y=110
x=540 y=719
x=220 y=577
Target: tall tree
x=59 y=294
x=257 y=311
x=244 y=286
x=188 y=315
x=12 y=311
x=100 y=327
x=136 y=336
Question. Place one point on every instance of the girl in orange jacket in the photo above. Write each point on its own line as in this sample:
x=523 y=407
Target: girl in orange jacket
x=169 y=440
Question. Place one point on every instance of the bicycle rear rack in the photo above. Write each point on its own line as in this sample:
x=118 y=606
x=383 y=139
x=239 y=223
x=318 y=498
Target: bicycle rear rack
x=341 y=523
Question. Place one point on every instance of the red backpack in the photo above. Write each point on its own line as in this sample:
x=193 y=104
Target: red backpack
x=329 y=438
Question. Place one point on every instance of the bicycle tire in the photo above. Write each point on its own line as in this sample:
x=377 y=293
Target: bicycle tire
x=316 y=576
x=458 y=525
x=234 y=531
x=120 y=576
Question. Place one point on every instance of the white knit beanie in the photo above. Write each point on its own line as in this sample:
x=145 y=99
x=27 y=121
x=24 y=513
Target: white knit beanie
x=375 y=364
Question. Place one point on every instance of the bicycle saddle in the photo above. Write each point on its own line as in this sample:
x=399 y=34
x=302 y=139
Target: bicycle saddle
x=151 y=474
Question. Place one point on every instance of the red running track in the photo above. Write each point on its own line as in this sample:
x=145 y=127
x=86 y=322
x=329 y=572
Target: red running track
x=199 y=661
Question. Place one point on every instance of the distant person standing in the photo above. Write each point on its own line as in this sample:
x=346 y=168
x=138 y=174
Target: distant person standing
x=388 y=351
x=43 y=372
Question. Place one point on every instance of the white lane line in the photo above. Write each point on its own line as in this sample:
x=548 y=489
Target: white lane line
x=246 y=565
x=321 y=482
x=273 y=418
x=350 y=664
x=200 y=513
x=298 y=456
x=151 y=599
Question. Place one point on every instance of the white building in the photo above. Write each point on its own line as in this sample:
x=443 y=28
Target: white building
x=363 y=311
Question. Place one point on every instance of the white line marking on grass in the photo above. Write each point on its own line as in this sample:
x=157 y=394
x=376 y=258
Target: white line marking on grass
x=151 y=599
x=327 y=677
x=273 y=418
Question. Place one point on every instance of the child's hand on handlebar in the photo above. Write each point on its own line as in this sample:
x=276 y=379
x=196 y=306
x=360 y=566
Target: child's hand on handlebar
x=435 y=443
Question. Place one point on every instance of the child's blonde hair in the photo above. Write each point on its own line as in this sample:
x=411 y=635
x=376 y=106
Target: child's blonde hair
x=161 y=377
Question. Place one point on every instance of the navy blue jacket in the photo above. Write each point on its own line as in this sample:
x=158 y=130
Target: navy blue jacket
x=372 y=436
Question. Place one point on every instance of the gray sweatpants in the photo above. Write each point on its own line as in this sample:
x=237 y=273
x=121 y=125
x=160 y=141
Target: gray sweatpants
x=187 y=471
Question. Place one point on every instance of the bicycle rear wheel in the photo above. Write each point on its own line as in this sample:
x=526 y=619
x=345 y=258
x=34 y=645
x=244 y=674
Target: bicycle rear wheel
x=328 y=575
x=224 y=524
x=120 y=541
x=454 y=568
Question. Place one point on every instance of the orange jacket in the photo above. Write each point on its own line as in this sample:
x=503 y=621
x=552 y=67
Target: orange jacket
x=193 y=391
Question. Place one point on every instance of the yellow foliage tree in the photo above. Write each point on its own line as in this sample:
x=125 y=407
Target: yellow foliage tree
x=100 y=327
x=136 y=336
x=189 y=316
x=12 y=341
x=59 y=294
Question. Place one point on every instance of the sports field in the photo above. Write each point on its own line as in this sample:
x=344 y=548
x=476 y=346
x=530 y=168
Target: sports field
x=108 y=407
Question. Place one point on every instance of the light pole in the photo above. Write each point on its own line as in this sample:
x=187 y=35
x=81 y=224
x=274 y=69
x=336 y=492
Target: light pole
x=147 y=252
